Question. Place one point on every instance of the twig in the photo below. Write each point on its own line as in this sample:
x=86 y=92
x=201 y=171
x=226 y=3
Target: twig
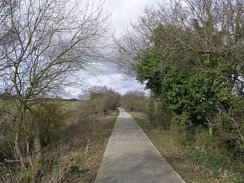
x=87 y=147
x=12 y=161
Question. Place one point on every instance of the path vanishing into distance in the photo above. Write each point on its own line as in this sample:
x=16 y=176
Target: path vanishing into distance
x=130 y=157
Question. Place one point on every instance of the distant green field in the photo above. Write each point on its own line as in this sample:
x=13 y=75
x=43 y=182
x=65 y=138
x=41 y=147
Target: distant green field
x=7 y=104
x=66 y=105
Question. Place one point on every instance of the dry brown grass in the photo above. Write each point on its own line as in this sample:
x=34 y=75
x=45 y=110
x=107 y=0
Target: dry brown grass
x=140 y=115
x=77 y=154
x=74 y=157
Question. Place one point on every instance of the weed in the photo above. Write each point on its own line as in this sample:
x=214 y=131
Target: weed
x=218 y=168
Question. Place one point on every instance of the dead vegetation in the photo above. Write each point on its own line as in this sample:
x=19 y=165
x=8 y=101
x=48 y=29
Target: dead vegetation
x=74 y=155
x=43 y=43
x=77 y=154
x=72 y=141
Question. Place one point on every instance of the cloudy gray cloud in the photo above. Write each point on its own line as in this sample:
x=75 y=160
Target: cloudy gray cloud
x=126 y=11
x=110 y=77
x=106 y=75
x=123 y=12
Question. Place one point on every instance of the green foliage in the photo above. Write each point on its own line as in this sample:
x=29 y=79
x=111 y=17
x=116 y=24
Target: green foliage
x=190 y=91
x=75 y=173
x=150 y=107
x=219 y=169
x=230 y=125
x=200 y=87
x=190 y=55
x=29 y=174
x=213 y=145
x=206 y=160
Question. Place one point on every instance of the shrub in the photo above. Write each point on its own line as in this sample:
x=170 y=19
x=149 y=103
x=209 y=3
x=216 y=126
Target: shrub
x=49 y=116
x=212 y=144
x=229 y=124
x=158 y=112
x=99 y=99
x=134 y=101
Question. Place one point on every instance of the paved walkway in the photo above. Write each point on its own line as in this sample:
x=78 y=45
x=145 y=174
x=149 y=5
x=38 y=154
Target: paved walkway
x=130 y=157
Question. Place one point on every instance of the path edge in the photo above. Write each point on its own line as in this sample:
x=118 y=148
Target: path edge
x=175 y=172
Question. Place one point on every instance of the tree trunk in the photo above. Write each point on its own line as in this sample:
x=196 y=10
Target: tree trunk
x=37 y=146
x=210 y=130
x=210 y=127
x=17 y=149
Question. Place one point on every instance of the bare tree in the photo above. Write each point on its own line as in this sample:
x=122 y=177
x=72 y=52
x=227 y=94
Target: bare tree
x=134 y=101
x=204 y=28
x=46 y=41
x=102 y=99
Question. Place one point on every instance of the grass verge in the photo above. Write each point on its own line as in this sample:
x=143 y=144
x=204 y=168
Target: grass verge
x=192 y=163
x=77 y=159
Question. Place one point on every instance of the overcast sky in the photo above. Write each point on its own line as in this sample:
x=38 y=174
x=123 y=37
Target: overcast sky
x=123 y=12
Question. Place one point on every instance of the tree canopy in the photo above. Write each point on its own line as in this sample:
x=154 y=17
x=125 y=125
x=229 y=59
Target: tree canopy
x=191 y=54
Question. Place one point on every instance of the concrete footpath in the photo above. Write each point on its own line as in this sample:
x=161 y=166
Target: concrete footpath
x=130 y=157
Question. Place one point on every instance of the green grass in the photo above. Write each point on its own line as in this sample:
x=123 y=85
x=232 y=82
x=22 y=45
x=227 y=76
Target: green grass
x=193 y=164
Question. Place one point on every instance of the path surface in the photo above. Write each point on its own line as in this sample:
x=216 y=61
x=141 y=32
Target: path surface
x=130 y=157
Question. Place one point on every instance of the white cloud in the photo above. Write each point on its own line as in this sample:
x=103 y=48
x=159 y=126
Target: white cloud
x=107 y=76
x=123 y=12
x=114 y=80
